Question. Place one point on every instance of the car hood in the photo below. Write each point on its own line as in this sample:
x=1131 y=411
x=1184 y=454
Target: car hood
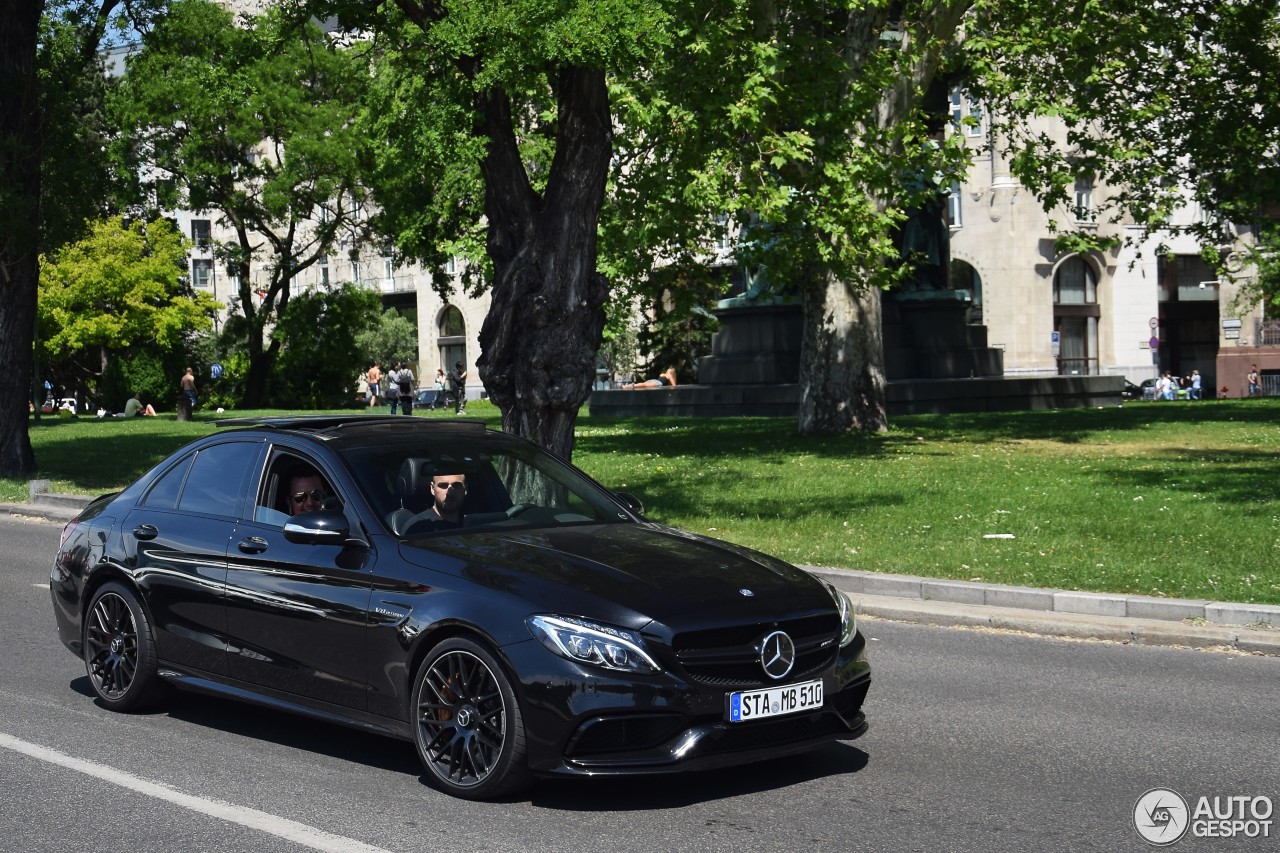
x=627 y=574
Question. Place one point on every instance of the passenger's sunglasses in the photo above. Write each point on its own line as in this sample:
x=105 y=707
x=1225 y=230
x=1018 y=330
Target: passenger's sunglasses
x=448 y=486
x=314 y=494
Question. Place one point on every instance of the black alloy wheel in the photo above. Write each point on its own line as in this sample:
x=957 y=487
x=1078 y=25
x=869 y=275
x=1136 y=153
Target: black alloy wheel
x=119 y=652
x=467 y=724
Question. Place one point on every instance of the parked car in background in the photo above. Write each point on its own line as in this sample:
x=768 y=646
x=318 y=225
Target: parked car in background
x=1145 y=391
x=461 y=589
x=430 y=398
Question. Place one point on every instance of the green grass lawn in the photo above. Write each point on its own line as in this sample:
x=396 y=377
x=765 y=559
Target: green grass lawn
x=1170 y=499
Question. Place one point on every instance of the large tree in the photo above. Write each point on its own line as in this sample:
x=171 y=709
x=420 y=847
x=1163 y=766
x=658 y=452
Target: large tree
x=499 y=113
x=50 y=93
x=816 y=122
x=804 y=123
x=254 y=120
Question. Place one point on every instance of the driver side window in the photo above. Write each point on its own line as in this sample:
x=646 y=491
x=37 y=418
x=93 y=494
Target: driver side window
x=293 y=485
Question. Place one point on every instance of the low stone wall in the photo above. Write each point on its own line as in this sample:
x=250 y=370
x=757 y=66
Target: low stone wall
x=910 y=396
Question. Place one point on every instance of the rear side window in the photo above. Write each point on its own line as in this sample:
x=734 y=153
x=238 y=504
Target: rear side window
x=216 y=483
x=164 y=494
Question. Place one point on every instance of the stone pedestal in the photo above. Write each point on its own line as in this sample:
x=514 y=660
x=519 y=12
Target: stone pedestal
x=927 y=335
x=756 y=345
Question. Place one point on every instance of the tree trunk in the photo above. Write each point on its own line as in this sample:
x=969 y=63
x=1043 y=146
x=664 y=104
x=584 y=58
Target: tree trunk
x=842 y=360
x=539 y=340
x=19 y=231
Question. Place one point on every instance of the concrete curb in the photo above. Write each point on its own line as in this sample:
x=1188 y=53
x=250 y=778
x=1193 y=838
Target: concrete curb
x=1084 y=616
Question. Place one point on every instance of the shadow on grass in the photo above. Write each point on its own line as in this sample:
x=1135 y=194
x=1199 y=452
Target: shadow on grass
x=1226 y=476
x=1072 y=426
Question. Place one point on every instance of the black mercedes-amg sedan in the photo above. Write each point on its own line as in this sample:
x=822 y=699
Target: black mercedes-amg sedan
x=459 y=588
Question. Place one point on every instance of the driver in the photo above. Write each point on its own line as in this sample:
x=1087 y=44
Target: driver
x=448 y=491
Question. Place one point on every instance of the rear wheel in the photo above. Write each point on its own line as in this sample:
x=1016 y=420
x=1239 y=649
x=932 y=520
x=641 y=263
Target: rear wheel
x=119 y=650
x=467 y=724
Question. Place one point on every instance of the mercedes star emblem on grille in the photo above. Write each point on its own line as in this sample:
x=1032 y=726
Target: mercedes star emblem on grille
x=777 y=655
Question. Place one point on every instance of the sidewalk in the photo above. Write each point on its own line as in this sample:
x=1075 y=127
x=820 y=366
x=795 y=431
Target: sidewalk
x=1249 y=628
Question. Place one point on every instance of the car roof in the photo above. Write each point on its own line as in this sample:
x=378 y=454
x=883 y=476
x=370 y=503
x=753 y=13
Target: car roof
x=358 y=427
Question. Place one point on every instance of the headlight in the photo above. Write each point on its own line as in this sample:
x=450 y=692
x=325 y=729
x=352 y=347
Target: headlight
x=580 y=641
x=848 y=616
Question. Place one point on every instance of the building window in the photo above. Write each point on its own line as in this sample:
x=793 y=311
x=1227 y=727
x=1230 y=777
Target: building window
x=324 y=271
x=202 y=272
x=1075 y=316
x=1084 y=200
x=200 y=232
x=961 y=107
x=975 y=112
x=955 y=216
x=388 y=273
x=451 y=330
x=451 y=266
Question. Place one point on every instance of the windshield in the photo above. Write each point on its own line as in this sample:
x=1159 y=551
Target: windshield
x=427 y=485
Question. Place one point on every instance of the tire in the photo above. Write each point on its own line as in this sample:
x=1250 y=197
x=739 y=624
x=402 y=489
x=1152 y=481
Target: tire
x=467 y=723
x=120 y=650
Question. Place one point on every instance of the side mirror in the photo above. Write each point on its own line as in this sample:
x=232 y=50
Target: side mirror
x=630 y=501
x=322 y=527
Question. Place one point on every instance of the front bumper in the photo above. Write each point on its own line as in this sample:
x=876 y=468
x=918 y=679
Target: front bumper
x=603 y=726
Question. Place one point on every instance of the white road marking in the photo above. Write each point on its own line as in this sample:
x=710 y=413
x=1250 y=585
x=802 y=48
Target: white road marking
x=40 y=585
x=290 y=830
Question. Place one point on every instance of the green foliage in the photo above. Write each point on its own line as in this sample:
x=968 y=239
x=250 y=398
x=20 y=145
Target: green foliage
x=1157 y=101
x=76 y=182
x=146 y=371
x=392 y=337
x=676 y=330
x=319 y=353
x=120 y=288
x=1264 y=285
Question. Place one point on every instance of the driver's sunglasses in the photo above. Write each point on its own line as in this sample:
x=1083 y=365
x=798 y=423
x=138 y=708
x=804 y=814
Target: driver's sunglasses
x=449 y=486
x=314 y=494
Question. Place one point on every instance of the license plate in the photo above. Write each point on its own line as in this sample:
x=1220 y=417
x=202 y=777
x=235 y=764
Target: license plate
x=774 y=701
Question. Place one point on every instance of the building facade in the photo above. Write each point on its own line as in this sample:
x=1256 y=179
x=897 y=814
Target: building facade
x=1149 y=306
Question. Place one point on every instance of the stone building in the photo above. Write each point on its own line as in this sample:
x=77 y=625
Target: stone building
x=1149 y=306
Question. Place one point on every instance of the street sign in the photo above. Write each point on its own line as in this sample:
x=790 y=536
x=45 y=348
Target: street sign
x=1154 y=343
x=1154 y=322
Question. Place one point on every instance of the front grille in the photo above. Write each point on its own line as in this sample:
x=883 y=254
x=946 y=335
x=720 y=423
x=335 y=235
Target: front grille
x=730 y=657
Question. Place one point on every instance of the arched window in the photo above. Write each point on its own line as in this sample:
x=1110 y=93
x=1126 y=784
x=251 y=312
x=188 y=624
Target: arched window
x=451 y=331
x=1075 y=316
x=965 y=277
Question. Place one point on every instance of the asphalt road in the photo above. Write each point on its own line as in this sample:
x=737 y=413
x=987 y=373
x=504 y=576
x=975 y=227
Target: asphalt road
x=979 y=741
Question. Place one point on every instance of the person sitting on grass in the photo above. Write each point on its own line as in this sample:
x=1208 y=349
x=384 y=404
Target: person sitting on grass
x=136 y=408
x=666 y=379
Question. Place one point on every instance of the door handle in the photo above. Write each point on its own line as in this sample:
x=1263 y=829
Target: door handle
x=253 y=545
x=145 y=532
